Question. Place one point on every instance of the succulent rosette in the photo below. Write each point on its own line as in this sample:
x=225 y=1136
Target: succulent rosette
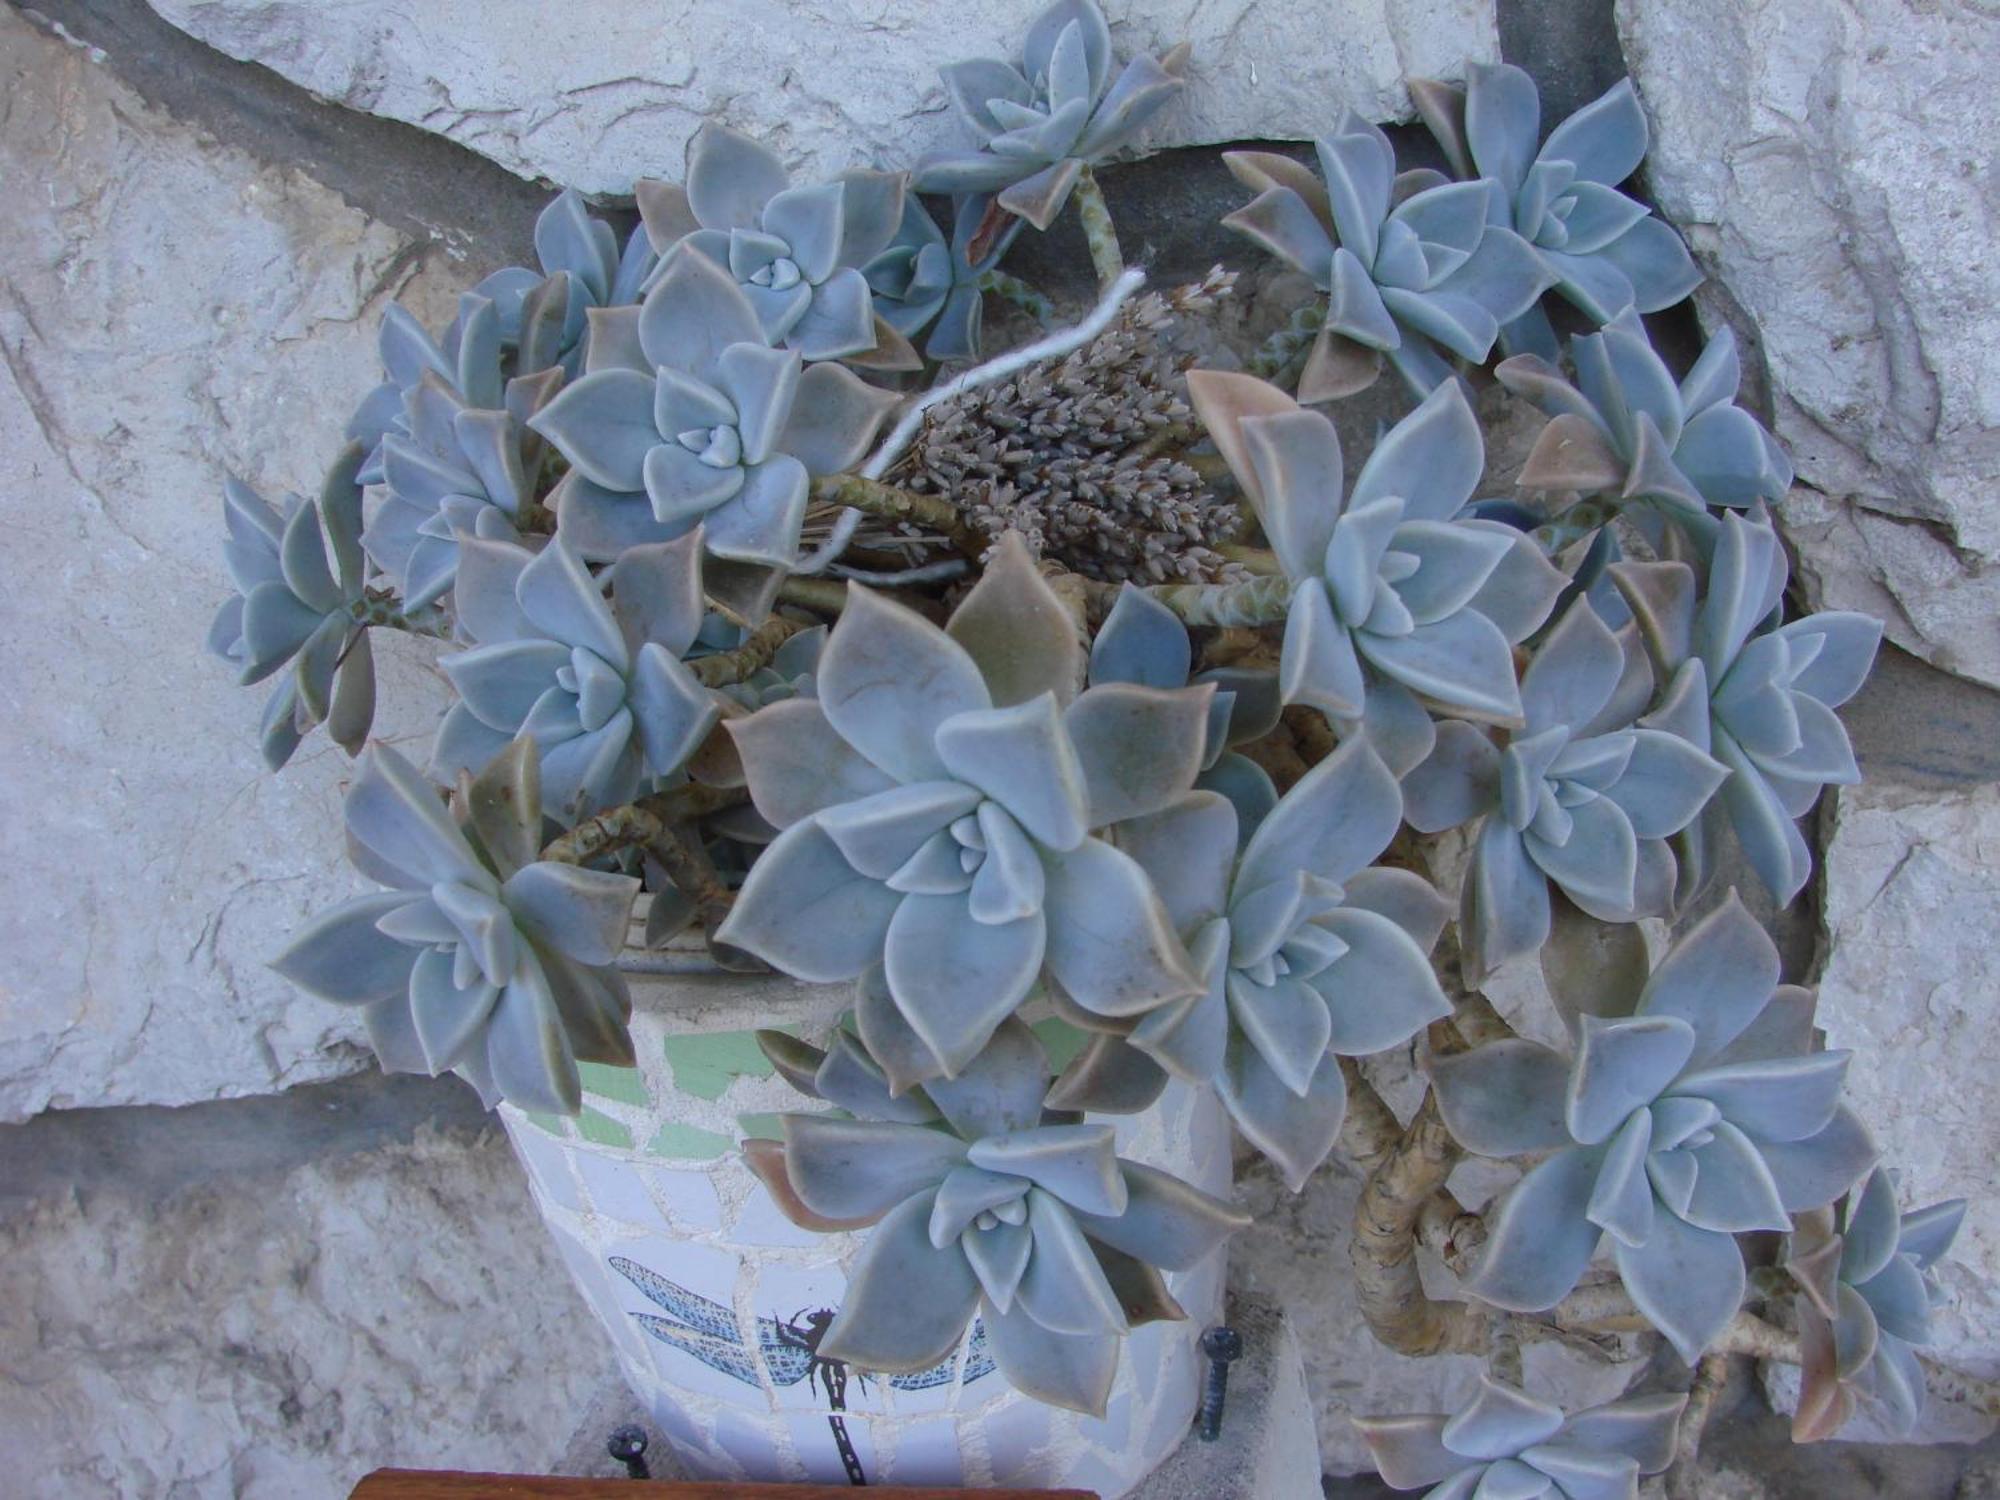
x=467 y=359
x=1398 y=597
x=1582 y=798
x=292 y=609
x=1628 y=430
x=1606 y=251
x=1307 y=954
x=544 y=316
x=1691 y=1111
x=1508 y=1444
x=478 y=958
x=1758 y=695
x=937 y=799
x=796 y=252
x=979 y=1201
x=599 y=686
x=687 y=416
x=924 y=281
x=1411 y=264
x=1870 y=1282
x=1040 y=123
x=452 y=470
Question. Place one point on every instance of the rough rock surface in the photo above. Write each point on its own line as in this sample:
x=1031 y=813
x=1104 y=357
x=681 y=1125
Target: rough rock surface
x=1831 y=162
x=170 y=309
x=609 y=93
x=268 y=1298
x=1904 y=871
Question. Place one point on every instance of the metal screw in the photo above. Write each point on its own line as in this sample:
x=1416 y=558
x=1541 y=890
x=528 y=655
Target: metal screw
x=628 y=1446
x=1221 y=1344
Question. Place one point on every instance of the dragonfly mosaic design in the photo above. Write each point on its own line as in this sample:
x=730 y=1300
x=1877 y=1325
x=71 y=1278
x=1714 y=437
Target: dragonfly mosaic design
x=787 y=1348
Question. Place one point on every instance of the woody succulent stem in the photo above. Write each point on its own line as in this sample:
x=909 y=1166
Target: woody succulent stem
x=641 y=822
x=726 y=667
x=888 y=503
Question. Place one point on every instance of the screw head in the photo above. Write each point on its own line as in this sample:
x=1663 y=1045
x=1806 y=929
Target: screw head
x=1222 y=1344
x=627 y=1443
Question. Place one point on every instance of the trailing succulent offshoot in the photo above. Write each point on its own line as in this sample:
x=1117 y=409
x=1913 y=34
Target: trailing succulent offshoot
x=1252 y=774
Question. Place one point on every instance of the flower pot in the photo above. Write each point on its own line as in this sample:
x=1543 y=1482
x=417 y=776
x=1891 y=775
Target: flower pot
x=714 y=1301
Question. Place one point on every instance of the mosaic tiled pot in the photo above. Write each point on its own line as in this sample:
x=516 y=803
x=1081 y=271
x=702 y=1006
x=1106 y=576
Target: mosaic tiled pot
x=714 y=1301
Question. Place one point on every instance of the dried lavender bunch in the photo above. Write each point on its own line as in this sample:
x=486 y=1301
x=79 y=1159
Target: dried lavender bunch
x=1076 y=454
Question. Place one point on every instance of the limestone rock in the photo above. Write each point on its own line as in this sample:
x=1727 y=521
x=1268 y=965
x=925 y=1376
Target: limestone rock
x=1909 y=911
x=597 y=95
x=271 y=1305
x=1831 y=163
x=170 y=310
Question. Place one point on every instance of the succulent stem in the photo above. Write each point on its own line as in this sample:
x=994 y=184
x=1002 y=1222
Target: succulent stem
x=1256 y=601
x=1279 y=356
x=641 y=822
x=826 y=596
x=1018 y=292
x=379 y=608
x=886 y=502
x=1098 y=230
x=733 y=666
x=1710 y=1375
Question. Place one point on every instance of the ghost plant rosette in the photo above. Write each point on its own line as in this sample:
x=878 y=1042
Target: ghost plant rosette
x=888 y=714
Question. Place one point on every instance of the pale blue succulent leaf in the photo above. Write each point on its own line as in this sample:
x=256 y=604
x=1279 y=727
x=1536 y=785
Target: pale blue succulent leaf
x=1381 y=992
x=1654 y=261
x=805 y=910
x=1111 y=943
x=1582 y=1475
x=1503 y=1099
x=1622 y=1065
x=1359 y=166
x=1500 y=1422
x=1139 y=748
x=1813 y=1172
x=1733 y=1189
x=502 y=682
x=1335 y=821
x=1927 y=1233
x=342 y=956
x=1462 y=661
x=1777 y=1099
x=1455 y=562
x=955 y=978
x=1166 y=1222
x=1355 y=308
x=907 y=1302
x=448 y=1017
x=878 y=834
x=1022 y=756
x=1280 y=221
x=1897 y=1296
x=1606 y=139
x=1716 y=978
x=861 y=1169
x=1295 y=456
x=1431 y=460
x=1141 y=641
x=1688 y=1282
x=1061 y=1369
x=1506 y=899
x=1848 y=642
x=693 y=312
x=1409 y=1451
x=833 y=419
x=1001 y=1090
x=797 y=763
x=973 y=82
x=1459 y=321
x=1246 y=785
x=1641 y=1428
x=1187 y=849
x=1077 y=1163
x=603 y=424
x=1539 y=1240
x=1503 y=121
x=528 y=1056
x=1574 y=672
x=1598 y=862
x=393 y=809
x=1139 y=93
x=1010 y=884
x=1285 y=1020
x=1665 y=785
x=889 y=678
x=905 y=1058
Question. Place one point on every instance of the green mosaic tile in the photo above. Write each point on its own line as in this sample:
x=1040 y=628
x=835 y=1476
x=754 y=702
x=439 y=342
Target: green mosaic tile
x=625 y=1085
x=553 y=1124
x=602 y=1130
x=1061 y=1040
x=688 y=1143
x=705 y=1064
x=760 y=1127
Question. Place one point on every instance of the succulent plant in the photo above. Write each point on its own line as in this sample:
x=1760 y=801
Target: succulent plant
x=1040 y=123
x=452 y=471
x=600 y=687
x=1627 y=430
x=1396 y=594
x=1409 y=263
x=1307 y=954
x=1870 y=1283
x=291 y=608
x=795 y=251
x=1692 y=1110
x=1581 y=797
x=1757 y=695
x=937 y=799
x=978 y=1201
x=478 y=958
x=687 y=406
x=922 y=280
x=1508 y=1444
x=544 y=316
x=1605 y=250
x=467 y=359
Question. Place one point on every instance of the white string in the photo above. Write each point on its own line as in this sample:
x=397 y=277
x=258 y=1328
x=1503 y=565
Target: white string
x=951 y=567
x=1052 y=346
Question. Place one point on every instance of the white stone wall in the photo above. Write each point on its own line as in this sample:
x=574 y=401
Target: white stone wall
x=596 y=95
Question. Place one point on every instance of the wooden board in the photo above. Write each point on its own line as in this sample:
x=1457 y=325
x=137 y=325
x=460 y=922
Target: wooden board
x=427 y=1484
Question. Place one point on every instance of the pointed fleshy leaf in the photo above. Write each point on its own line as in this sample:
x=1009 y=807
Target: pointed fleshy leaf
x=1139 y=748
x=860 y=1169
x=1295 y=456
x=1462 y=661
x=1779 y=1099
x=907 y=1302
x=603 y=423
x=1733 y=1189
x=1687 y=1281
x=1111 y=945
x=878 y=834
x=805 y=910
x=1017 y=631
x=1382 y=990
x=888 y=679
x=1539 y=1241
x=1409 y=1452
x=1716 y=978
x=341 y=956
x=956 y=979
x=1499 y=1421
x=1077 y=1163
x=1621 y=1066
x=1503 y=1099
x=1166 y=1222
x=1506 y=900
x=1000 y=1091
x=798 y=764
x=1068 y=1370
